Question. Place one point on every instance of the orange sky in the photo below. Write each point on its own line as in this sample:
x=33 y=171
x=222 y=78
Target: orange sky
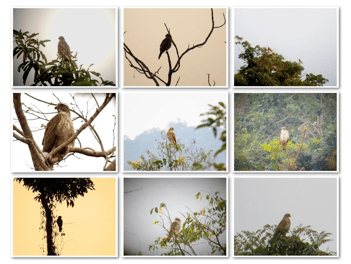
x=89 y=227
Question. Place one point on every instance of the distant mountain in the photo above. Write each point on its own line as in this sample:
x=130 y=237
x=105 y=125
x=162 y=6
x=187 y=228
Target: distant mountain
x=133 y=149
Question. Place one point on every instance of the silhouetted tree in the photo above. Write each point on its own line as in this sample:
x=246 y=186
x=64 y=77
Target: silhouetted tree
x=55 y=190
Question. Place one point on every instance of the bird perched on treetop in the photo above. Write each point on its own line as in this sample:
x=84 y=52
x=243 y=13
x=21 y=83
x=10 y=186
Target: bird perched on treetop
x=59 y=223
x=300 y=61
x=284 y=224
x=165 y=44
x=171 y=136
x=63 y=49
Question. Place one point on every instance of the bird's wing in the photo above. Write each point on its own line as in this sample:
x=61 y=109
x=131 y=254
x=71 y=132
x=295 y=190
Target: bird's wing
x=50 y=132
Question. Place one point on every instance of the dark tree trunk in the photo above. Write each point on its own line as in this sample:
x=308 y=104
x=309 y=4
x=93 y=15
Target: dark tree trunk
x=49 y=224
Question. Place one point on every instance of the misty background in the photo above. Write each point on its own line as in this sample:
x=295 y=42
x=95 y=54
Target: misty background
x=309 y=34
x=143 y=194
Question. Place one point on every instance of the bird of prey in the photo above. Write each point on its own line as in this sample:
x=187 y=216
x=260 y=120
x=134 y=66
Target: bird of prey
x=59 y=223
x=284 y=223
x=175 y=228
x=284 y=137
x=63 y=49
x=58 y=130
x=171 y=136
x=300 y=61
x=165 y=44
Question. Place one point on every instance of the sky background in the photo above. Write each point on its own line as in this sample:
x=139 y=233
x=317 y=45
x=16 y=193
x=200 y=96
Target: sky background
x=104 y=124
x=310 y=201
x=141 y=195
x=146 y=111
x=89 y=227
x=89 y=31
x=309 y=34
x=144 y=30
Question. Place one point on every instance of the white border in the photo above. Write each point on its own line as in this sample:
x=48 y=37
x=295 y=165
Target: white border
x=75 y=25
x=338 y=235
x=121 y=50
x=228 y=205
x=122 y=118
x=292 y=172
x=68 y=257
x=58 y=92
x=337 y=9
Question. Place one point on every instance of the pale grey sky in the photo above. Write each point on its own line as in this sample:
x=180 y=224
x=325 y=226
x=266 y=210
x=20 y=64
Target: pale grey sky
x=310 y=201
x=142 y=194
x=309 y=34
x=145 y=111
x=91 y=32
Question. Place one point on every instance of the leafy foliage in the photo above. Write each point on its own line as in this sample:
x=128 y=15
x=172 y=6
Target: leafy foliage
x=54 y=73
x=263 y=67
x=219 y=120
x=311 y=120
x=209 y=224
x=174 y=158
x=266 y=242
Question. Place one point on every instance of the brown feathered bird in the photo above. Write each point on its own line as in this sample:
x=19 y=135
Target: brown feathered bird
x=171 y=136
x=284 y=224
x=175 y=228
x=165 y=44
x=58 y=130
x=63 y=49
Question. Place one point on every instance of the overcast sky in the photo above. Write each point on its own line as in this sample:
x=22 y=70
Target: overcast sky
x=104 y=124
x=309 y=34
x=310 y=201
x=144 y=29
x=89 y=227
x=89 y=31
x=146 y=111
x=141 y=195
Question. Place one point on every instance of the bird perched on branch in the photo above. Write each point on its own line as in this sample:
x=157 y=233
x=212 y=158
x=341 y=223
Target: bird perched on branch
x=63 y=49
x=59 y=223
x=171 y=136
x=284 y=137
x=58 y=130
x=300 y=61
x=284 y=224
x=175 y=228
x=165 y=44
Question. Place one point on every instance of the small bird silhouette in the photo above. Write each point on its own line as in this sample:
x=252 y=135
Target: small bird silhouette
x=63 y=49
x=300 y=61
x=165 y=44
x=59 y=223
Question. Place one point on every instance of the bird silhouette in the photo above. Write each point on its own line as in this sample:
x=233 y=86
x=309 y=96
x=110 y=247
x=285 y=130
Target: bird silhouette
x=165 y=44
x=300 y=61
x=59 y=223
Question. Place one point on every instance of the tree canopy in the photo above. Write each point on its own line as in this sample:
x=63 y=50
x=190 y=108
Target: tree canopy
x=264 y=67
x=54 y=73
x=208 y=225
x=267 y=241
x=310 y=118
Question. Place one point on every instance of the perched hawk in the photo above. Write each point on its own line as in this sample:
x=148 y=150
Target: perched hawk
x=165 y=44
x=300 y=61
x=59 y=223
x=284 y=223
x=63 y=49
x=175 y=228
x=58 y=130
x=171 y=136
x=284 y=137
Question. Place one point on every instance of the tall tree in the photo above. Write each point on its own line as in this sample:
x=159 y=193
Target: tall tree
x=55 y=190
x=264 y=67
